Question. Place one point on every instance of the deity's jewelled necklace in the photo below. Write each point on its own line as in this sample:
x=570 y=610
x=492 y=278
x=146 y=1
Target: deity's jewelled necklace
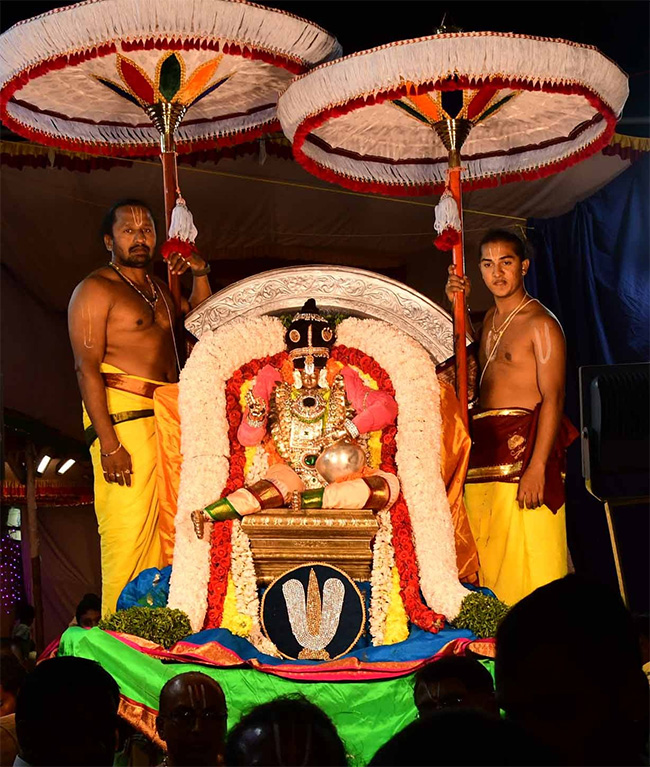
x=309 y=405
x=151 y=301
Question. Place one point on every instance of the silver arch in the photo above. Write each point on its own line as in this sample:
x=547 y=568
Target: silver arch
x=344 y=289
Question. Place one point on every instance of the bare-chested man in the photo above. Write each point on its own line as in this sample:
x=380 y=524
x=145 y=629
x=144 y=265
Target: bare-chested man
x=514 y=491
x=120 y=321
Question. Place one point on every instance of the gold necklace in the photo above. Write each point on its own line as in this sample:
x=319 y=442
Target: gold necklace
x=151 y=301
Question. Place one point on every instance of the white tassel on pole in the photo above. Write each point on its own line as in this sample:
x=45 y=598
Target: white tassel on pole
x=182 y=224
x=182 y=232
x=447 y=213
x=447 y=224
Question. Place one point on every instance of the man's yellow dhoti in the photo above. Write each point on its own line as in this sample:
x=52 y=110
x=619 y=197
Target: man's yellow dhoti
x=127 y=516
x=518 y=549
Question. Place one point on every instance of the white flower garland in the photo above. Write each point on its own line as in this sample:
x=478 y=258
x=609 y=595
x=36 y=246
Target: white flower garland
x=206 y=455
x=205 y=447
x=417 y=392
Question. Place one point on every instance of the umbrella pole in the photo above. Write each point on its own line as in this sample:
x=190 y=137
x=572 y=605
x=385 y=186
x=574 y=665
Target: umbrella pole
x=460 y=303
x=170 y=185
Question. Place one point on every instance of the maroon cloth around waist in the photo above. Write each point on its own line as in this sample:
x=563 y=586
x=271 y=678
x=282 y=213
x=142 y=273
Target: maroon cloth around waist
x=124 y=382
x=502 y=446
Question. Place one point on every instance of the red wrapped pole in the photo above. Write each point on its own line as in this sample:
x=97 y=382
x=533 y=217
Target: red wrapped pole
x=452 y=133
x=170 y=185
x=460 y=303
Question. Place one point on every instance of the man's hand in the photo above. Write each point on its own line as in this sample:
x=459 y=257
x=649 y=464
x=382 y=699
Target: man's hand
x=531 y=487
x=178 y=264
x=456 y=284
x=117 y=467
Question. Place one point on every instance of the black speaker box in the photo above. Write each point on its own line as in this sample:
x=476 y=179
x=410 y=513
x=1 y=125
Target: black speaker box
x=615 y=430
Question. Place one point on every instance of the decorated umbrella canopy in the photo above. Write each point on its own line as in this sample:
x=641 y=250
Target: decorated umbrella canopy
x=393 y=120
x=139 y=77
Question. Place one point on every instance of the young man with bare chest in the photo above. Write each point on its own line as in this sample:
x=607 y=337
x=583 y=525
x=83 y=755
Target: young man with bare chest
x=120 y=321
x=514 y=490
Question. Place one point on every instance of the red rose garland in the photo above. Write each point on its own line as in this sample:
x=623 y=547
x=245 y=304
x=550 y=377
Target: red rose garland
x=405 y=554
x=221 y=545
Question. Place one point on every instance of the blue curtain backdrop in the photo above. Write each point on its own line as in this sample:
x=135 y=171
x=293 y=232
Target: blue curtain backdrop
x=591 y=268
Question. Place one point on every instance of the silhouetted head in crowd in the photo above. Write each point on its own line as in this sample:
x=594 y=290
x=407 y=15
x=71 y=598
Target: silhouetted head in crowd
x=460 y=737
x=568 y=670
x=89 y=611
x=286 y=731
x=12 y=676
x=25 y=614
x=67 y=714
x=454 y=682
x=192 y=720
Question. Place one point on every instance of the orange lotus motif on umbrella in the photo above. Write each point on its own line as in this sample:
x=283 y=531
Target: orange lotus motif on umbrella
x=473 y=105
x=170 y=85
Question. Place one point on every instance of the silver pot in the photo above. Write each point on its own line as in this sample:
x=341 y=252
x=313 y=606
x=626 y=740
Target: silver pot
x=340 y=460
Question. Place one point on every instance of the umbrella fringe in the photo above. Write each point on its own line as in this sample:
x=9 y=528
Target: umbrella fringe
x=276 y=34
x=426 y=176
x=456 y=61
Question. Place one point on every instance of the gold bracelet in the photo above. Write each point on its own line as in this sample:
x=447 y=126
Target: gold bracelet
x=108 y=455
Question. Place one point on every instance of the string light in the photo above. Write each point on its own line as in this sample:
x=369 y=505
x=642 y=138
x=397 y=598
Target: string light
x=11 y=574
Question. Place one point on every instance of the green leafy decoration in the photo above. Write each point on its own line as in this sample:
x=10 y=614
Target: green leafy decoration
x=161 y=625
x=480 y=614
x=170 y=77
x=333 y=319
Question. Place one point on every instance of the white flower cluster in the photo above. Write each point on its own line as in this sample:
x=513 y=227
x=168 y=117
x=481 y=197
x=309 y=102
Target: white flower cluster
x=417 y=392
x=205 y=447
x=259 y=465
x=381 y=580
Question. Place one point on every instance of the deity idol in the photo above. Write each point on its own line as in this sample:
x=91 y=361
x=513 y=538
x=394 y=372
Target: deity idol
x=318 y=427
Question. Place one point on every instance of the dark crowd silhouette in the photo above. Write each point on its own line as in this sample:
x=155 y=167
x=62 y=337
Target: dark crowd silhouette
x=569 y=689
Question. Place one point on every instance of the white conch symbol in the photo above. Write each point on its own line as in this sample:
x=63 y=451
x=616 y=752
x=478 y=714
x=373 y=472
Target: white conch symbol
x=314 y=625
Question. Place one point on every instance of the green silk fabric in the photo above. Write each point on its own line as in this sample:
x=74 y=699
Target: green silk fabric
x=366 y=714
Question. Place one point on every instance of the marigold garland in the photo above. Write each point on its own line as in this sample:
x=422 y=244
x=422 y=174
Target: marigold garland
x=405 y=554
x=396 y=619
x=236 y=622
x=221 y=540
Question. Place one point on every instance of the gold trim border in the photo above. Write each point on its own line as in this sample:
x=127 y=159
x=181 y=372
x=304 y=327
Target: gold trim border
x=501 y=411
x=496 y=472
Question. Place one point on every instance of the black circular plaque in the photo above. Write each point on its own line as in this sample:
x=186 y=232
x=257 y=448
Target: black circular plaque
x=313 y=612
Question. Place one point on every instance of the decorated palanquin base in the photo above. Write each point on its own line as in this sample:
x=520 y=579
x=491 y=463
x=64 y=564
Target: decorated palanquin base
x=366 y=711
x=421 y=554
